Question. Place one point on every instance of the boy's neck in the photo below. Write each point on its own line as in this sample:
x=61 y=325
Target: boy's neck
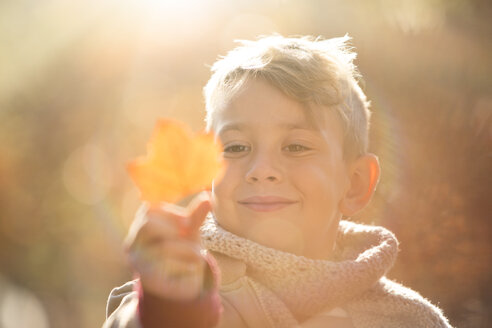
x=324 y=250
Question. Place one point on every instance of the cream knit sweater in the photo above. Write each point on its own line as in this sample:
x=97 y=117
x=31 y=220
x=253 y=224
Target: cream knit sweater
x=290 y=286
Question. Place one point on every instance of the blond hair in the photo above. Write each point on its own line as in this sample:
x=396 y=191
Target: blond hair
x=310 y=70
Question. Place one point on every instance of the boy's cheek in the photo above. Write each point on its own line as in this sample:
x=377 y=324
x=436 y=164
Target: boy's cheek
x=230 y=179
x=219 y=189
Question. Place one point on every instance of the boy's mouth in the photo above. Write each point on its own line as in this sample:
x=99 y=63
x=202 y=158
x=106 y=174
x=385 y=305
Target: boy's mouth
x=266 y=203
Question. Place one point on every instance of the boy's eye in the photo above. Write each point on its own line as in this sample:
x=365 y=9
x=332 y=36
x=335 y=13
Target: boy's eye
x=236 y=149
x=295 y=148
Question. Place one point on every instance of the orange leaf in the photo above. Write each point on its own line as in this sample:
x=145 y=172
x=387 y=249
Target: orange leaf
x=177 y=163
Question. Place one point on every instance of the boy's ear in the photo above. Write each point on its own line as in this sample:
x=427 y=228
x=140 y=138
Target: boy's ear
x=363 y=179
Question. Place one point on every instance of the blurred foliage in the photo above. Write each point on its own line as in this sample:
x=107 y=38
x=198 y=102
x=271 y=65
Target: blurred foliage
x=83 y=83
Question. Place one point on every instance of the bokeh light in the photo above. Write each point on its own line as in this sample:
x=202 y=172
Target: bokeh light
x=19 y=308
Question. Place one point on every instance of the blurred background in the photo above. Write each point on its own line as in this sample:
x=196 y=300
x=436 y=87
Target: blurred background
x=83 y=82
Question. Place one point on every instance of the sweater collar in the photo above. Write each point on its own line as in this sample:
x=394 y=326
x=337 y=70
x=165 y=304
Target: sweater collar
x=363 y=254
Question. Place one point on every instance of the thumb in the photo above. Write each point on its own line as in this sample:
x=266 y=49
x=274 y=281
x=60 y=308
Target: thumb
x=198 y=210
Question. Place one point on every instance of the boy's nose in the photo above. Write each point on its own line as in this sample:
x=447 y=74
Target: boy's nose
x=263 y=168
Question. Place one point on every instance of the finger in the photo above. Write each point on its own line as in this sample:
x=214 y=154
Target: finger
x=135 y=225
x=199 y=209
x=146 y=259
x=182 y=249
x=154 y=227
x=172 y=277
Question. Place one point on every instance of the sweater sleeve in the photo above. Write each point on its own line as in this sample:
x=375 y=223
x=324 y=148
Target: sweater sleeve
x=203 y=312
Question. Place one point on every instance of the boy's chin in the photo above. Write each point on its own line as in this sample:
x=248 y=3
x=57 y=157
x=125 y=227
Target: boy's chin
x=278 y=234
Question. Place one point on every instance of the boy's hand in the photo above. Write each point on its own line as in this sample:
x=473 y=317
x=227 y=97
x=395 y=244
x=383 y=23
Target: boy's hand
x=163 y=244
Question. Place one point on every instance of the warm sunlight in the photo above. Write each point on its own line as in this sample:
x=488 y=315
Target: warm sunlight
x=83 y=83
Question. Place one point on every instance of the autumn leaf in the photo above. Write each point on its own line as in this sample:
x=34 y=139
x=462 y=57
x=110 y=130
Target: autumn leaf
x=177 y=163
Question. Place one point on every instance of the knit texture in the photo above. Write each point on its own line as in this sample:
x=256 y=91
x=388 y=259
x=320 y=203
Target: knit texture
x=290 y=286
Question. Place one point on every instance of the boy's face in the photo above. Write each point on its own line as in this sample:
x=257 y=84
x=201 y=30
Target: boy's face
x=284 y=179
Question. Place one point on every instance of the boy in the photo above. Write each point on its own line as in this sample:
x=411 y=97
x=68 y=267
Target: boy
x=294 y=126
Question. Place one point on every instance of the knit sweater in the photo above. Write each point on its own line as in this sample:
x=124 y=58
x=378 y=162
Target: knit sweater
x=291 y=287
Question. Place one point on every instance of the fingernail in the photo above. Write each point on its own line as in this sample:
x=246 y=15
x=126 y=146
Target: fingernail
x=185 y=201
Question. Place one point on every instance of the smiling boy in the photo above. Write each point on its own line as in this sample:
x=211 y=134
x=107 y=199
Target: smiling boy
x=286 y=178
x=293 y=122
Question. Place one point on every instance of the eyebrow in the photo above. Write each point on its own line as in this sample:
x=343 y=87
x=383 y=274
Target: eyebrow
x=286 y=126
x=233 y=126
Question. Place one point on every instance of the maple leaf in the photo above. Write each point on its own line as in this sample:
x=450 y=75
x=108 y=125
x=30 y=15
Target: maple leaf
x=178 y=163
